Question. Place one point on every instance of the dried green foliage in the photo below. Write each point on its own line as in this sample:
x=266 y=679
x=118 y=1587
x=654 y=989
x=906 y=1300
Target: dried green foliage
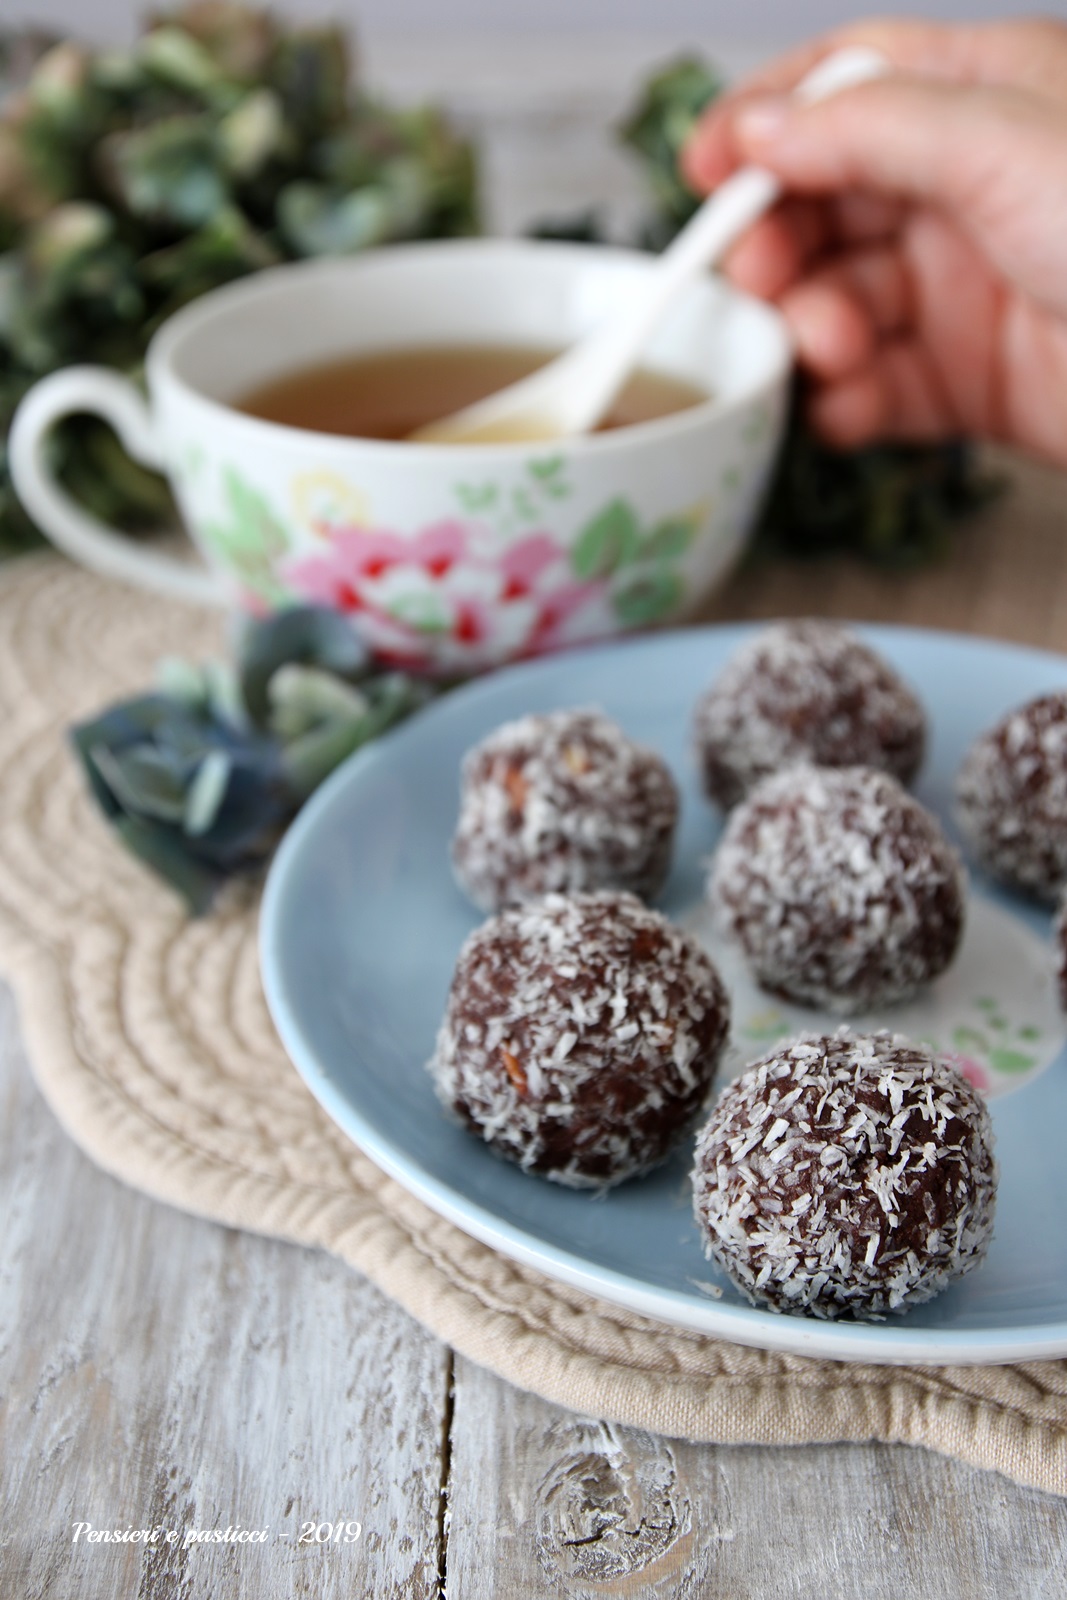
x=657 y=128
x=131 y=182
x=893 y=504
x=201 y=778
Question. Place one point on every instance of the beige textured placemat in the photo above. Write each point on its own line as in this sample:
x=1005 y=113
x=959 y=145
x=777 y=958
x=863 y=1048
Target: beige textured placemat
x=151 y=1042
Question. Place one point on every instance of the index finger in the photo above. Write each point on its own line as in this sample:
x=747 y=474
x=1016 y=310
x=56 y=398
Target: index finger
x=710 y=154
x=1030 y=55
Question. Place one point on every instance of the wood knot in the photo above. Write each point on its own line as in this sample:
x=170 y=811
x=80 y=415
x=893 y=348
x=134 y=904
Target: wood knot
x=609 y=1513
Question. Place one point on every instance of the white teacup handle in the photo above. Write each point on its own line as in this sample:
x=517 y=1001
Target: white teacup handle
x=106 y=394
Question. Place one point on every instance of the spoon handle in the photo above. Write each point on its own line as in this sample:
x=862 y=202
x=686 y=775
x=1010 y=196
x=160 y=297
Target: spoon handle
x=737 y=203
x=573 y=393
x=720 y=222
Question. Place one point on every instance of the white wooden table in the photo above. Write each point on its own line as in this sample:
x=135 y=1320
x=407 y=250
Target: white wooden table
x=158 y=1372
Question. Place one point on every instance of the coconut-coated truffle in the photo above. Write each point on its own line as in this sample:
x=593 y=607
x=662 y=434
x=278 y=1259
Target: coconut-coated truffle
x=581 y=1036
x=1011 y=794
x=841 y=889
x=561 y=803
x=844 y=1174
x=806 y=691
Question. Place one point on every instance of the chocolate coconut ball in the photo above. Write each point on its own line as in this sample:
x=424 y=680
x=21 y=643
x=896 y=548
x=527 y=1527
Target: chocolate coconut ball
x=1011 y=794
x=805 y=692
x=841 y=889
x=581 y=1036
x=562 y=803
x=846 y=1174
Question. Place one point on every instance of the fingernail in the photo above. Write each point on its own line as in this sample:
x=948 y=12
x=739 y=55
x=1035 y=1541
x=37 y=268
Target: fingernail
x=762 y=120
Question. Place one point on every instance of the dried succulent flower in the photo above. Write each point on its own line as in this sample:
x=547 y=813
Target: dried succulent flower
x=201 y=778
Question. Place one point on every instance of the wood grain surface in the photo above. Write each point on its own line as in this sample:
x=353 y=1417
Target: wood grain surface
x=584 y=1509
x=159 y=1371
x=156 y=1370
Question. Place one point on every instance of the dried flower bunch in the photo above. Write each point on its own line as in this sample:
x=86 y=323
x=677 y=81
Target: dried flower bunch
x=133 y=181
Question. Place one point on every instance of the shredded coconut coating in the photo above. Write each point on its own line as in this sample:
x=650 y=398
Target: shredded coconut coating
x=845 y=1174
x=1011 y=794
x=805 y=692
x=841 y=889
x=581 y=1036
x=561 y=803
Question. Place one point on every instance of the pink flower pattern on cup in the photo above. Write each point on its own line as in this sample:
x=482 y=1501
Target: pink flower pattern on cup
x=449 y=596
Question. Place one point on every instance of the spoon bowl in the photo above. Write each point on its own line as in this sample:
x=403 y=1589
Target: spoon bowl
x=572 y=394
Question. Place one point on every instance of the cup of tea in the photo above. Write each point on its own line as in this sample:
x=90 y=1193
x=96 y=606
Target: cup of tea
x=279 y=406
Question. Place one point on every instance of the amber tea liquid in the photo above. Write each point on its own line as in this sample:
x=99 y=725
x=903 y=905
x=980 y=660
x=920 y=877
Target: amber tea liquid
x=389 y=394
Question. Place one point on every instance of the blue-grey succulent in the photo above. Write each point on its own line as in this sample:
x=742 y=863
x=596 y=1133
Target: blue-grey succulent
x=201 y=778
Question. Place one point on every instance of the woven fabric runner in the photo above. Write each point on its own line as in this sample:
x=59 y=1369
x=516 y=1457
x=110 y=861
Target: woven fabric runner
x=151 y=1042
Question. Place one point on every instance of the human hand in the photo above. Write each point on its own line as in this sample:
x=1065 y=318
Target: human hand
x=920 y=254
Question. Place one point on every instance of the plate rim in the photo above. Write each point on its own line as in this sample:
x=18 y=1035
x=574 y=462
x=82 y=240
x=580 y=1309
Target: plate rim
x=889 y=1342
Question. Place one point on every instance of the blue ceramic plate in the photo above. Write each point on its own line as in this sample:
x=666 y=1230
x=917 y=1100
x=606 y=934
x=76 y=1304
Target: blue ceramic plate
x=362 y=923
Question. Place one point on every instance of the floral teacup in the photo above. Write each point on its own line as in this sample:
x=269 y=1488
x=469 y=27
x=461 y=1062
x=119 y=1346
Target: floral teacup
x=448 y=558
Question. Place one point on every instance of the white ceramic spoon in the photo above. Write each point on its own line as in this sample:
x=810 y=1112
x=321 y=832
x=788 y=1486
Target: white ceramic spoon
x=572 y=393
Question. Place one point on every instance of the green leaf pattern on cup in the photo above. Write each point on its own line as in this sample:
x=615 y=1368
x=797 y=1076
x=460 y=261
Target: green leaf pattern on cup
x=610 y=540
x=639 y=564
x=549 y=474
x=648 y=597
x=510 y=508
x=504 y=564
x=252 y=541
